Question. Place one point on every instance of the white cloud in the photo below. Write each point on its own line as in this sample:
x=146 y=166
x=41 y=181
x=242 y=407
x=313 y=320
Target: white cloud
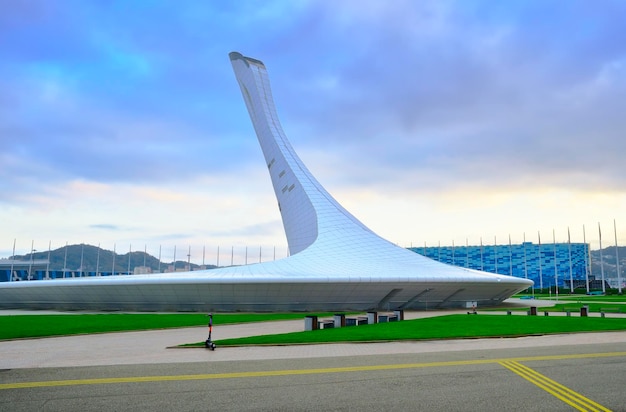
x=427 y=119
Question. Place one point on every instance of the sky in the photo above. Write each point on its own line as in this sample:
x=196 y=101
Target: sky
x=122 y=124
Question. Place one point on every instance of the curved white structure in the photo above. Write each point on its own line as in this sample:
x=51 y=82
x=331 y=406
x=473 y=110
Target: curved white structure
x=336 y=262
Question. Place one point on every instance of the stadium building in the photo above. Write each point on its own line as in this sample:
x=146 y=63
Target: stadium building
x=570 y=261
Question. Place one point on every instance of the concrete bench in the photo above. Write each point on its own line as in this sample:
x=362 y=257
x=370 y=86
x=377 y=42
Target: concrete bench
x=388 y=318
x=327 y=324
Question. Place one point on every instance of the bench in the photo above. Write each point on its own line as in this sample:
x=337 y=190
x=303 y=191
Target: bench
x=326 y=324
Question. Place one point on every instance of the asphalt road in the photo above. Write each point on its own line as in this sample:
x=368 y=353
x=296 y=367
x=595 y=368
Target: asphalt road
x=548 y=378
x=135 y=371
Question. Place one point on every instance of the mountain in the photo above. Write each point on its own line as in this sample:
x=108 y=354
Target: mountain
x=608 y=262
x=93 y=255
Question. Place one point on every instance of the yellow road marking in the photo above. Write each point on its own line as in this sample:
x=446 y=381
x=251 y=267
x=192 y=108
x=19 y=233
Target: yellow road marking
x=574 y=399
x=288 y=372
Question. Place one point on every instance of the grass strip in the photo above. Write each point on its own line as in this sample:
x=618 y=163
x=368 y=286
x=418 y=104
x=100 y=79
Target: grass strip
x=593 y=307
x=36 y=326
x=575 y=297
x=441 y=327
x=574 y=307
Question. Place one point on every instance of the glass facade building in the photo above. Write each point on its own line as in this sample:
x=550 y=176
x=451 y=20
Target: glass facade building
x=527 y=260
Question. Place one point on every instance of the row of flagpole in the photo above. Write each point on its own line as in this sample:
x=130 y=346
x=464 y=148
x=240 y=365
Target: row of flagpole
x=114 y=254
x=587 y=268
x=33 y=250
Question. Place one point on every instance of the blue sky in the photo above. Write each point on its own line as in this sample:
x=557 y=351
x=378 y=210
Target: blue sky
x=431 y=121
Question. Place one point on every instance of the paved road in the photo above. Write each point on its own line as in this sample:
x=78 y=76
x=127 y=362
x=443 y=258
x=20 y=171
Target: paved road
x=528 y=379
x=135 y=371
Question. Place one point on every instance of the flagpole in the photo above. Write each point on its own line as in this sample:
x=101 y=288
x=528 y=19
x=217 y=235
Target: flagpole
x=466 y=253
x=159 y=265
x=82 y=254
x=112 y=267
x=98 y=261
x=556 y=271
x=174 y=258
x=65 y=260
x=525 y=262
x=587 y=260
x=12 y=261
x=48 y=264
x=540 y=263
x=32 y=253
x=619 y=276
x=130 y=247
x=510 y=257
x=453 y=252
x=569 y=251
x=439 y=252
x=495 y=254
x=601 y=259
x=189 y=259
x=482 y=265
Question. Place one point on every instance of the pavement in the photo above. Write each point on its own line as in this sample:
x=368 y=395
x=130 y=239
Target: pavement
x=159 y=346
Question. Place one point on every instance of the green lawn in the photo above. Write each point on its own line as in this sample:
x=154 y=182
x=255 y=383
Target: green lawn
x=441 y=327
x=576 y=297
x=32 y=326
x=593 y=307
x=572 y=306
x=587 y=298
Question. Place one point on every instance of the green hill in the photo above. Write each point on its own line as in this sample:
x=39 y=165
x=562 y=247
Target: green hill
x=72 y=255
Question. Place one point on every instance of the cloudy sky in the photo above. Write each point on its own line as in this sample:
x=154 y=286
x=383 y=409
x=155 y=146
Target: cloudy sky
x=431 y=121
